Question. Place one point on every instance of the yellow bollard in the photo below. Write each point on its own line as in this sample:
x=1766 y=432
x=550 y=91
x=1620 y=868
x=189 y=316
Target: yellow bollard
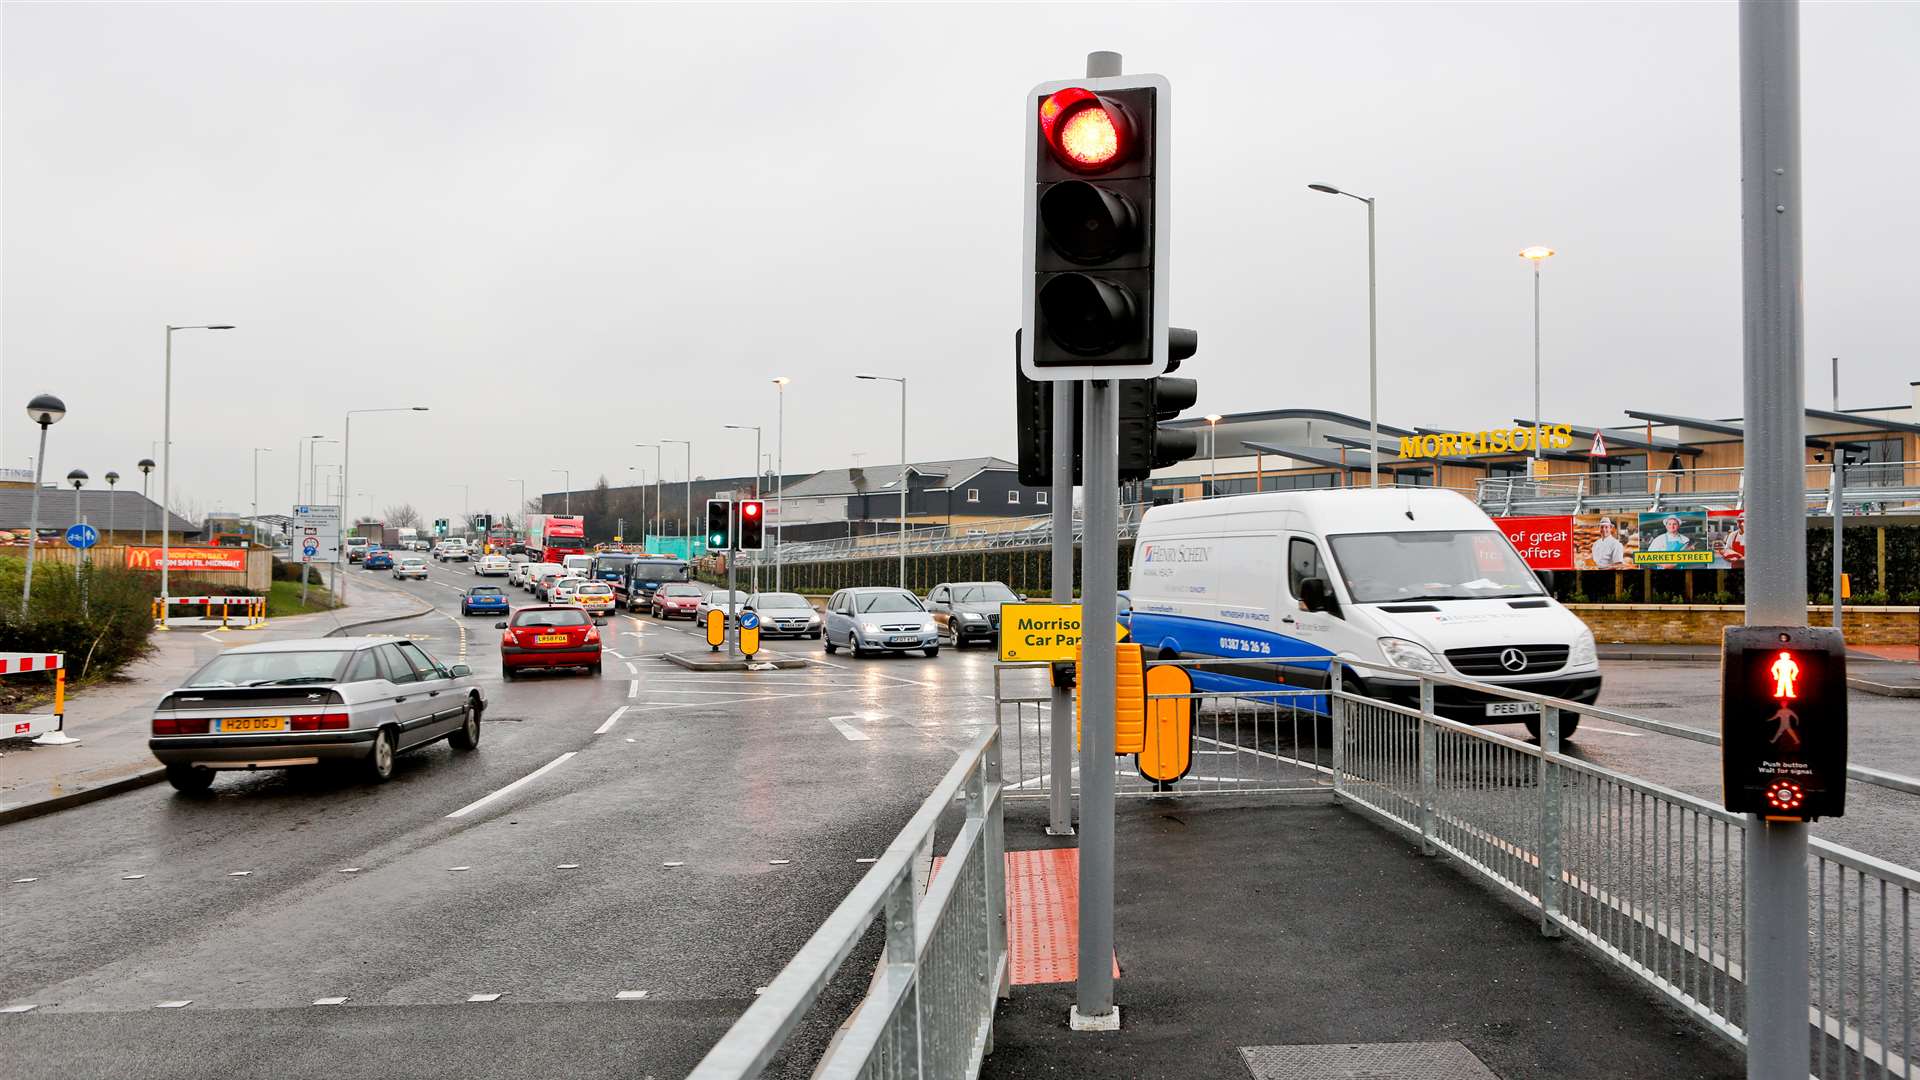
x=60 y=693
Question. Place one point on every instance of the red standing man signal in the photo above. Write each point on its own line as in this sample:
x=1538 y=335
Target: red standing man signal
x=1785 y=671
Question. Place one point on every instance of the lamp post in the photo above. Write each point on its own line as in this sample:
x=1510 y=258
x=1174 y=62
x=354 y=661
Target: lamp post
x=520 y=507
x=755 y=428
x=1373 y=342
x=780 y=476
x=1536 y=255
x=466 y=504
x=568 y=477
x=686 y=524
x=112 y=479
x=78 y=478
x=146 y=472
x=45 y=410
x=904 y=483
x=657 y=466
x=314 y=442
x=1213 y=457
x=346 y=479
x=166 y=453
x=257 y=451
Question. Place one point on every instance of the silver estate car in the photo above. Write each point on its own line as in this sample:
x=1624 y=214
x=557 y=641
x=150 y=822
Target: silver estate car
x=357 y=701
x=879 y=620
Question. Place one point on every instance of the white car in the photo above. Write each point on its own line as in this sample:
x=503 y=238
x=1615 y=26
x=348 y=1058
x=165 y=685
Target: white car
x=491 y=566
x=716 y=599
x=410 y=566
x=531 y=576
x=594 y=596
x=562 y=590
x=450 y=550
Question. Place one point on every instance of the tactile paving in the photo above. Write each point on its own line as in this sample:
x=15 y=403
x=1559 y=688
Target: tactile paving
x=1365 y=1061
x=1043 y=916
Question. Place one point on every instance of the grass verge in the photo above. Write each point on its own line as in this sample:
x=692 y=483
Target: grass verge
x=284 y=599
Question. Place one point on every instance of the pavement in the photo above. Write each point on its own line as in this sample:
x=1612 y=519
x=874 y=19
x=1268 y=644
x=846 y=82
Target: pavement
x=1886 y=670
x=1316 y=927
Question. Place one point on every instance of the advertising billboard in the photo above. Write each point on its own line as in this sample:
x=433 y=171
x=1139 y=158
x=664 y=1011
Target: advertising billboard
x=1623 y=540
x=1546 y=543
x=223 y=560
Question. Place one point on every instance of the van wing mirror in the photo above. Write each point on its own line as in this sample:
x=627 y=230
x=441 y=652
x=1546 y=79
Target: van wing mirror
x=1316 y=594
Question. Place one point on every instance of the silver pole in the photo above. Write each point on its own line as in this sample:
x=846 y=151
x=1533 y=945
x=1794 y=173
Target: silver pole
x=1776 y=852
x=905 y=482
x=346 y=464
x=146 y=501
x=1099 y=557
x=1536 y=360
x=1373 y=365
x=33 y=520
x=780 y=482
x=166 y=476
x=1839 y=527
x=1836 y=384
x=1060 y=774
x=763 y=519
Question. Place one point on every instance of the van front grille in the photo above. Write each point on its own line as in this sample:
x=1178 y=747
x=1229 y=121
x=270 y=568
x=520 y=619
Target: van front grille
x=1500 y=660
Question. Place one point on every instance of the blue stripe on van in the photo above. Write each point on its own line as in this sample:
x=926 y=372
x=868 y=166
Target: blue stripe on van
x=1189 y=638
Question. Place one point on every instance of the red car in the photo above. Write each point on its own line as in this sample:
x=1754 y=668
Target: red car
x=549 y=637
x=678 y=599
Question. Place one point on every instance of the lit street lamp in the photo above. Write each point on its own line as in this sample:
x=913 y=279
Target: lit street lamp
x=903 y=466
x=1373 y=340
x=166 y=456
x=1536 y=255
x=45 y=410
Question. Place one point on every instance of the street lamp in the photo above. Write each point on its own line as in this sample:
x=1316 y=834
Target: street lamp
x=657 y=466
x=166 y=454
x=568 y=477
x=346 y=479
x=520 y=509
x=686 y=523
x=145 y=466
x=257 y=451
x=1213 y=457
x=78 y=478
x=112 y=478
x=755 y=428
x=903 y=466
x=780 y=476
x=1373 y=340
x=45 y=410
x=1536 y=255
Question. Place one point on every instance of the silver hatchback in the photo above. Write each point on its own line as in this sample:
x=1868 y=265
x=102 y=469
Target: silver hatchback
x=879 y=620
x=284 y=704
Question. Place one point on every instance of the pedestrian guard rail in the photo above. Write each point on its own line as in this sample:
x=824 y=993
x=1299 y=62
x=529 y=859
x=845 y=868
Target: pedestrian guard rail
x=943 y=967
x=246 y=612
x=48 y=728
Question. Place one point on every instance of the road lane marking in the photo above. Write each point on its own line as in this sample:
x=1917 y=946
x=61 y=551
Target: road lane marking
x=330 y=1001
x=630 y=995
x=568 y=866
x=131 y=877
x=483 y=997
x=673 y=864
x=779 y=862
x=611 y=720
x=458 y=869
x=19 y=1008
x=530 y=777
x=240 y=873
x=632 y=669
x=633 y=688
x=852 y=733
x=173 y=1004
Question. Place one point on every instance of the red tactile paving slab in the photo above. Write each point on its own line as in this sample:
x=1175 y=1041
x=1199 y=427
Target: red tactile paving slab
x=1043 y=916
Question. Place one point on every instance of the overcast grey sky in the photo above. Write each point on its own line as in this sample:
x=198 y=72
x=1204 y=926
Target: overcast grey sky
x=568 y=229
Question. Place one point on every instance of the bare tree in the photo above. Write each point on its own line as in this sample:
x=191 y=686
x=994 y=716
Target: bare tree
x=403 y=516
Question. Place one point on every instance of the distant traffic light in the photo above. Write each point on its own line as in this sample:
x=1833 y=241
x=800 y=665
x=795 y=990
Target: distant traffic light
x=1144 y=403
x=1096 y=303
x=719 y=525
x=1783 y=721
x=752 y=525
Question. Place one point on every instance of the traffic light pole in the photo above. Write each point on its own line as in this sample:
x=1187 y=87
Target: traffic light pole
x=733 y=555
x=1099 y=582
x=1776 y=851
x=1060 y=795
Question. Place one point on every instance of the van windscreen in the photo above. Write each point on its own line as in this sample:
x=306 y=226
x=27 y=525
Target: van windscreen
x=1391 y=567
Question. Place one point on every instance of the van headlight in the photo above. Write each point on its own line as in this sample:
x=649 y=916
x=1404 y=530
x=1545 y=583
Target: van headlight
x=1409 y=656
x=1583 y=652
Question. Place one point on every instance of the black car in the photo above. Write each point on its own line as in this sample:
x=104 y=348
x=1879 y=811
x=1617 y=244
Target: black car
x=968 y=611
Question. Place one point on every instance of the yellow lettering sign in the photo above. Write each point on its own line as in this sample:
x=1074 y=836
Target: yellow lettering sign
x=1519 y=440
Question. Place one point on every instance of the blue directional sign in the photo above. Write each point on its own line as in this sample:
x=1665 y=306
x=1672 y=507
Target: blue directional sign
x=83 y=536
x=749 y=620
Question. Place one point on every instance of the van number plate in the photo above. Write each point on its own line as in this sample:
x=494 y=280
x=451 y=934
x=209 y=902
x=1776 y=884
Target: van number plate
x=1512 y=708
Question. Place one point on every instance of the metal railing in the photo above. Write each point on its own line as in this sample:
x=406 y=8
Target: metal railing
x=1871 y=487
x=929 y=1010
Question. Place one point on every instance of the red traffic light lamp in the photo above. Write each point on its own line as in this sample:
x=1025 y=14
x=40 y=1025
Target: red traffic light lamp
x=1086 y=132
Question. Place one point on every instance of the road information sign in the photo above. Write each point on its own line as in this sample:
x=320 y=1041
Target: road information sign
x=316 y=533
x=1043 y=632
x=82 y=536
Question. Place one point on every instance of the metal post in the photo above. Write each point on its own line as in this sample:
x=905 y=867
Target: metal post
x=1060 y=771
x=1549 y=823
x=732 y=631
x=1373 y=364
x=1428 y=742
x=1099 y=559
x=145 y=502
x=1776 y=852
x=1537 y=453
x=33 y=520
x=763 y=517
x=905 y=482
x=1337 y=712
x=780 y=479
x=1839 y=528
x=346 y=464
x=166 y=475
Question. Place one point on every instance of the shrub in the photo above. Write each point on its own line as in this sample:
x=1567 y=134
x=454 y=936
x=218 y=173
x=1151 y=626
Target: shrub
x=107 y=633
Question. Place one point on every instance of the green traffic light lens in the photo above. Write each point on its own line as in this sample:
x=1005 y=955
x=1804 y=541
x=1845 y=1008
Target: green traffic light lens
x=1087 y=223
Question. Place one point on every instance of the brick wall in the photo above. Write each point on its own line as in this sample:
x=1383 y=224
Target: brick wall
x=1700 y=624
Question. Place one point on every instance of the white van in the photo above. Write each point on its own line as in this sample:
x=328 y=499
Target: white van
x=578 y=564
x=1417 y=580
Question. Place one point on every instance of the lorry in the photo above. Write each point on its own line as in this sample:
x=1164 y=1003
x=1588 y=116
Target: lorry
x=551 y=537
x=1407 y=582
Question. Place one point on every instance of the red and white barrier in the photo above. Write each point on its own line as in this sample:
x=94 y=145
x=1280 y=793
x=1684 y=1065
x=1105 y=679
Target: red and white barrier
x=11 y=662
x=46 y=729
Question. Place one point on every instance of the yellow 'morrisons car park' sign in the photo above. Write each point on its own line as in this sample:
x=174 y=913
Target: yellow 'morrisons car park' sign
x=1519 y=440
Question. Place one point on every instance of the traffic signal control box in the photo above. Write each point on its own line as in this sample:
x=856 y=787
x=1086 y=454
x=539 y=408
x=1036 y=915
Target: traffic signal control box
x=1783 y=721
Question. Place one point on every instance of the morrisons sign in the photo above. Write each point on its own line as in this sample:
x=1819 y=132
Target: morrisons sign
x=1519 y=440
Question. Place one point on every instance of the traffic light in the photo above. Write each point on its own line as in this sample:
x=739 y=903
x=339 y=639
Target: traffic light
x=1033 y=424
x=1783 y=721
x=1097 y=229
x=1144 y=403
x=719 y=524
x=753 y=525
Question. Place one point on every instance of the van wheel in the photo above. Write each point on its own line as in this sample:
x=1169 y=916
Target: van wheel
x=1568 y=725
x=191 y=779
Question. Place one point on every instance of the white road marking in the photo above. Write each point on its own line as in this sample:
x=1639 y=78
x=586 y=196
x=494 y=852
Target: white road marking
x=19 y=1008
x=173 y=1004
x=568 y=866
x=778 y=862
x=852 y=733
x=633 y=688
x=631 y=669
x=530 y=777
x=131 y=877
x=457 y=869
x=483 y=997
x=330 y=1001
x=869 y=859
x=240 y=873
x=611 y=720
x=630 y=995
x=349 y=869
x=621 y=655
x=24 y=880
x=673 y=864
